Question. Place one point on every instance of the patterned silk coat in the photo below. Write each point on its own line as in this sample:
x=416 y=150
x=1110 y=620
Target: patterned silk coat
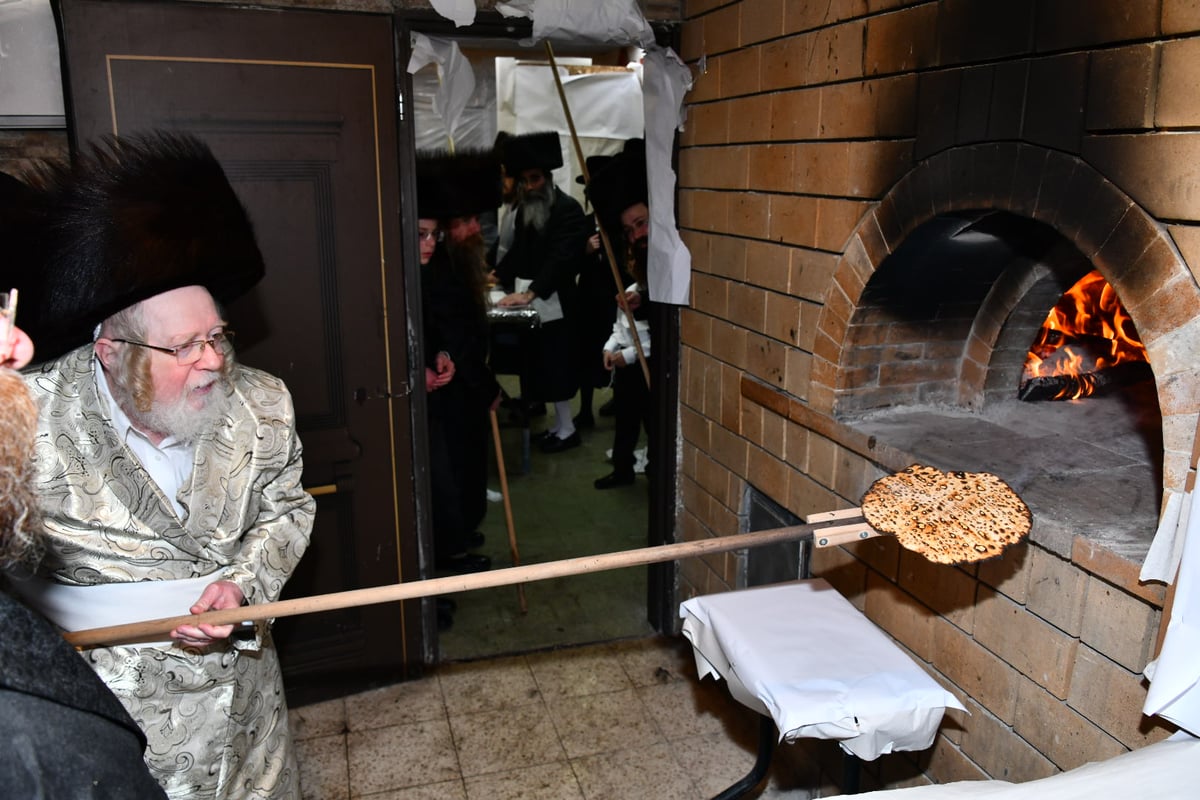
x=215 y=719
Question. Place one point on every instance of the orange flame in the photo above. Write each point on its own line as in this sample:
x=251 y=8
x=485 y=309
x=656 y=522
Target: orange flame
x=1087 y=331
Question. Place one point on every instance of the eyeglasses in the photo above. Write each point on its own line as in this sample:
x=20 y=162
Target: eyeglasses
x=431 y=236
x=189 y=353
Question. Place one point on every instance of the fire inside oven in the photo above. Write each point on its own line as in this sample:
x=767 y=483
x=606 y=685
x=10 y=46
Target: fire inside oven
x=1088 y=345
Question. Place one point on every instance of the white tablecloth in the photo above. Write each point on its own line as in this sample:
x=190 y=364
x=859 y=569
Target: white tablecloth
x=803 y=654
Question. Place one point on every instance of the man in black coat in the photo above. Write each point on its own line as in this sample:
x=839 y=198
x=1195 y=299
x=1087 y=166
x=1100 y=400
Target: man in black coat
x=452 y=190
x=541 y=268
x=618 y=193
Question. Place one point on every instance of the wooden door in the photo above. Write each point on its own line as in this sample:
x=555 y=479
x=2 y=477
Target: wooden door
x=299 y=108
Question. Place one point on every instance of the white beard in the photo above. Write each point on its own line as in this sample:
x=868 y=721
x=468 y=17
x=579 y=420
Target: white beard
x=536 y=207
x=179 y=418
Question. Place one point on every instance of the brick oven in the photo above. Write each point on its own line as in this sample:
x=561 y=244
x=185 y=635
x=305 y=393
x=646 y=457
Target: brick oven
x=884 y=199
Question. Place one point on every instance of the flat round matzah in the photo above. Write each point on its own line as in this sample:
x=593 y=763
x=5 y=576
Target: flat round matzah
x=947 y=517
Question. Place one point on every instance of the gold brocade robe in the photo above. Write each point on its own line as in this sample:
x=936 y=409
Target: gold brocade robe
x=216 y=719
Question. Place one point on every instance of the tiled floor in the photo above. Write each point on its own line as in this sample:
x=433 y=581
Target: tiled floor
x=557 y=514
x=624 y=720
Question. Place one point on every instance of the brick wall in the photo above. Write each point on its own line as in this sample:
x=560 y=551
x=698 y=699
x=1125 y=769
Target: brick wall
x=819 y=137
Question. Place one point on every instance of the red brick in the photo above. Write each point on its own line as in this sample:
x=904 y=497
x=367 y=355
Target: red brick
x=740 y=72
x=1124 y=84
x=974 y=31
x=1063 y=24
x=1057 y=590
x=746 y=119
x=1122 y=627
x=902 y=41
x=747 y=306
x=768 y=265
x=709 y=123
x=796 y=114
x=793 y=219
x=727 y=257
x=901 y=615
x=1180 y=16
x=836 y=220
x=974 y=669
x=1000 y=752
x=783 y=63
x=761 y=19
x=770 y=167
x=946 y=589
x=722 y=30
x=1031 y=645
x=748 y=214
x=1135 y=164
x=1112 y=697
x=1064 y=736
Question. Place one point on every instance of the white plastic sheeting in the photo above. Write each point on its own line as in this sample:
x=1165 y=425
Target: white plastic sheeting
x=455 y=82
x=606 y=108
x=460 y=12
x=1175 y=676
x=598 y=21
x=666 y=80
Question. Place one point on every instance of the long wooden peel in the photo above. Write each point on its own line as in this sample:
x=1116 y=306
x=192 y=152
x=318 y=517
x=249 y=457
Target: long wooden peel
x=155 y=630
x=508 y=515
x=587 y=180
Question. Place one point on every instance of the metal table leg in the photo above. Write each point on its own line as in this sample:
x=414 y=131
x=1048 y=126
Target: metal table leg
x=766 y=748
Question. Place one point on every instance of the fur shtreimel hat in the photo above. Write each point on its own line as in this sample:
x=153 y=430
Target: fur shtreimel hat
x=619 y=184
x=530 y=151
x=594 y=165
x=458 y=185
x=138 y=216
x=23 y=232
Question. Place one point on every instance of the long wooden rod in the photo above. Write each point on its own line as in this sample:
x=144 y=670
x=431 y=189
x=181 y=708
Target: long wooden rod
x=508 y=515
x=587 y=181
x=156 y=630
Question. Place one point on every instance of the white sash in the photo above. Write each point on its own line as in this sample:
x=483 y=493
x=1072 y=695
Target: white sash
x=78 y=608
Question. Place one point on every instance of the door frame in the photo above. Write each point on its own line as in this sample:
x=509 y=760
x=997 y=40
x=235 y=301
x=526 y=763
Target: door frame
x=661 y=522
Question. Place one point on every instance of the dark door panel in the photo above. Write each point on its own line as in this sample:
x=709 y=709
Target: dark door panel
x=298 y=107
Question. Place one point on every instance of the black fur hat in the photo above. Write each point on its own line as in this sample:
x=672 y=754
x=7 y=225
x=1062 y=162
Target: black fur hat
x=619 y=184
x=530 y=151
x=594 y=165
x=22 y=230
x=136 y=217
x=457 y=185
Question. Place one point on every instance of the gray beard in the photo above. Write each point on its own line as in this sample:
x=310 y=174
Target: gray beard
x=536 y=207
x=178 y=418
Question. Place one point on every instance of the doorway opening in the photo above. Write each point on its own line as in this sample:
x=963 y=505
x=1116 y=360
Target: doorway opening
x=556 y=511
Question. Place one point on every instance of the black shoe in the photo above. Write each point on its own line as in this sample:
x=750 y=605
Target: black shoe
x=467 y=562
x=475 y=541
x=614 y=479
x=554 y=444
x=609 y=408
x=585 y=420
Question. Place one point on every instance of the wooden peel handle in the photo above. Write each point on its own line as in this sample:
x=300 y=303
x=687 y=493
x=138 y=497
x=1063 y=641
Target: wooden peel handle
x=155 y=630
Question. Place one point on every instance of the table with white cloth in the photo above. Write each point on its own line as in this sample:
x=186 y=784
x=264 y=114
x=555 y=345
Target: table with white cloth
x=814 y=666
x=508 y=325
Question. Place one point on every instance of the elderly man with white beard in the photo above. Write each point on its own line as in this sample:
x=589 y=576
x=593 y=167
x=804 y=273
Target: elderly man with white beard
x=540 y=268
x=168 y=473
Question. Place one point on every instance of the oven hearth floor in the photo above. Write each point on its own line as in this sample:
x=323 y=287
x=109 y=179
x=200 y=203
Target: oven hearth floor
x=1090 y=467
